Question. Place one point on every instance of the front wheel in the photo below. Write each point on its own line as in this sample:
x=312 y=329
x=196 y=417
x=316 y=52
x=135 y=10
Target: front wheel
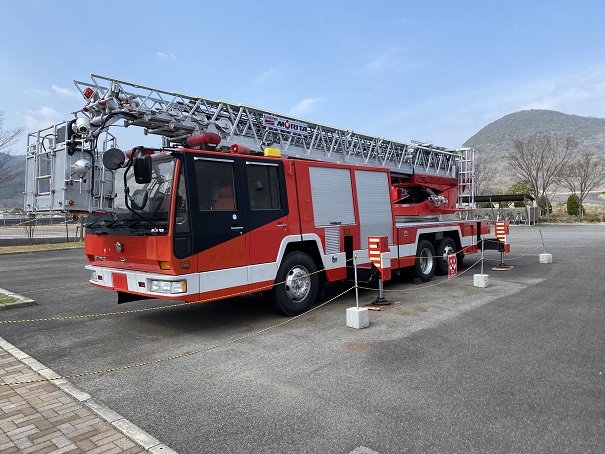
x=424 y=266
x=296 y=284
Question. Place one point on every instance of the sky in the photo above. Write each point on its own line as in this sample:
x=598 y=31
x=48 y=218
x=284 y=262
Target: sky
x=432 y=71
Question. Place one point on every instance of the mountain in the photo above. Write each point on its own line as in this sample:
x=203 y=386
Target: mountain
x=494 y=141
x=11 y=191
x=500 y=133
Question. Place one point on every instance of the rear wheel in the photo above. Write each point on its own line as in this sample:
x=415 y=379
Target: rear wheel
x=444 y=248
x=460 y=259
x=424 y=266
x=296 y=284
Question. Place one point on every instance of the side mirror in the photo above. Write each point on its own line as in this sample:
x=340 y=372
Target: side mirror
x=142 y=168
x=113 y=159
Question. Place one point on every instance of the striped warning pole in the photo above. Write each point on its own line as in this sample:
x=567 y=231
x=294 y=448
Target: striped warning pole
x=501 y=228
x=377 y=245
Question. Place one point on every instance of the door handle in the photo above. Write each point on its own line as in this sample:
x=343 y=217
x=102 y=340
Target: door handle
x=282 y=225
x=237 y=228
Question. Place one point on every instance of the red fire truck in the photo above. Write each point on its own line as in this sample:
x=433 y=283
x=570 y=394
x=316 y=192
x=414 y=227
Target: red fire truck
x=240 y=200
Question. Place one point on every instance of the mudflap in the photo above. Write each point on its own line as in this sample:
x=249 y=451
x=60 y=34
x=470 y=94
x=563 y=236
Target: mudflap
x=493 y=244
x=124 y=297
x=365 y=275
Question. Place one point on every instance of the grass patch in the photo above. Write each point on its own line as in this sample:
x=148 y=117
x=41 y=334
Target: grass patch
x=40 y=247
x=593 y=214
x=5 y=299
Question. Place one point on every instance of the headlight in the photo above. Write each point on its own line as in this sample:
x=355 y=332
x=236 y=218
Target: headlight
x=168 y=287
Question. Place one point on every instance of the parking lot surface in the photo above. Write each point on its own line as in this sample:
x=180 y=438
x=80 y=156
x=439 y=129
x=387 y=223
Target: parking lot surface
x=518 y=366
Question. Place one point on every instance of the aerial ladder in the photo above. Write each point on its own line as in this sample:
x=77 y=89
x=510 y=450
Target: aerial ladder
x=67 y=167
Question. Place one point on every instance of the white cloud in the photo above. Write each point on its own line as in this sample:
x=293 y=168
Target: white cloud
x=169 y=56
x=64 y=91
x=36 y=92
x=305 y=106
x=579 y=93
x=270 y=73
x=391 y=59
x=55 y=89
x=41 y=118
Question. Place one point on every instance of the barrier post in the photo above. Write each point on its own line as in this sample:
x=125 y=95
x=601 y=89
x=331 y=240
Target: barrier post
x=357 y=317
x=501 y=230
x=481 y=280
x=544 y=257
x=356 y=286
x=377 y=246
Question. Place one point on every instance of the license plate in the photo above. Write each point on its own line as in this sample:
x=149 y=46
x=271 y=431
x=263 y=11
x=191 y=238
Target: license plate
x=120 y=281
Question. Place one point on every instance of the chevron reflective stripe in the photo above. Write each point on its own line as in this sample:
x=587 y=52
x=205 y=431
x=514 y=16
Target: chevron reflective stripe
x=501 y=229
x=375 y=257
x=378 y=253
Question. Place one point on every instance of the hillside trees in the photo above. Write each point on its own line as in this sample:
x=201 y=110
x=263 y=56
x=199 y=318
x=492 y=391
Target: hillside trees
x=539 y=158
x=583 y=174
x=8 y=137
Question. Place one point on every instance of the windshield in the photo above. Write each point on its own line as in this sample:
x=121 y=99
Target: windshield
x=150 y=201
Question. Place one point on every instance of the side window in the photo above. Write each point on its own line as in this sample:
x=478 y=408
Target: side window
x=181 y=221
x=215 y=188
x=263 y=186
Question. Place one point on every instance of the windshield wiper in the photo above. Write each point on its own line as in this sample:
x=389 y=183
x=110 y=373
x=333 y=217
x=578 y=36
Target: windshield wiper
x=101 y=223
x=146 y=223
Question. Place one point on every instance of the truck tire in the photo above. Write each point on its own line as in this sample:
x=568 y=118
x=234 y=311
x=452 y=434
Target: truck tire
x=444 y=248
x=460 y=259
x=296 y=286
x=424 y=266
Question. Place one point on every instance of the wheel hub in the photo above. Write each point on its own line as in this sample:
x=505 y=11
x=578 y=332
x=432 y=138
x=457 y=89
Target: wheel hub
x=298 y=283
x=426 y=261
x=447 y=251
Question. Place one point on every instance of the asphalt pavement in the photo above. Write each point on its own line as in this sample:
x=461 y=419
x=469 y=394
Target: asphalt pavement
x=595 y=197
x=518 y=366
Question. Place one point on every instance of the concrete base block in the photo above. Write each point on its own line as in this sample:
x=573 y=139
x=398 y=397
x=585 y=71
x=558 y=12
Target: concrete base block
x=545 y=258
x=481 y=280
x=357 y=317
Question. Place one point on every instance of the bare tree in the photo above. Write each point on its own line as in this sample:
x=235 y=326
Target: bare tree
x=8 y=137
x=485 y=171
x=538 y=158
x=584 y=174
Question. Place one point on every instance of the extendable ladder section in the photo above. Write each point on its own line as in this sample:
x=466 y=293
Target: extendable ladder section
x=176 y=116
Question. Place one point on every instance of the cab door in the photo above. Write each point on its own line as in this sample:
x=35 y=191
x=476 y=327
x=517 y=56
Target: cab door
x=267 y=210
x=218 y=234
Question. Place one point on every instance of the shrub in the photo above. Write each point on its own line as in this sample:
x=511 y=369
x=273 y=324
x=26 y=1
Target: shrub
x=573 y=205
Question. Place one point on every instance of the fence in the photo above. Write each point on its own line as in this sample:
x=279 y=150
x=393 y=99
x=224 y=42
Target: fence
x=19 y=229
x=525 y=215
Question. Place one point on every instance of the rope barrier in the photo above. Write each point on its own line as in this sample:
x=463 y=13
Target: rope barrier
x=422 y=287
x=212 y=347
x=41 y=267
x=233 y=295
x=174 y=357
x=148 y=309
x=29 y=292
